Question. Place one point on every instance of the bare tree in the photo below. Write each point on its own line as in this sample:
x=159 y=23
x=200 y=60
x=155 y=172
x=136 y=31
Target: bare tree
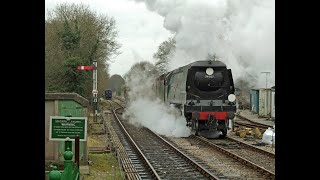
x=163 y=55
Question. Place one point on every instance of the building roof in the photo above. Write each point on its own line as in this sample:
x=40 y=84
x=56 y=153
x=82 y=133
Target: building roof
x=67 y=96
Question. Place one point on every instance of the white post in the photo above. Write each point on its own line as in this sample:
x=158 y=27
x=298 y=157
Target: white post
x=95 y=87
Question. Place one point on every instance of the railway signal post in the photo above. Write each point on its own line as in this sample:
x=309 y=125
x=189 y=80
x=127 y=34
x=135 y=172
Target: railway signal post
x=95 y=86
x=95 y=91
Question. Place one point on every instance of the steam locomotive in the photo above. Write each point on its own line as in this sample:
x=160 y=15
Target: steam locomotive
x=203 y=91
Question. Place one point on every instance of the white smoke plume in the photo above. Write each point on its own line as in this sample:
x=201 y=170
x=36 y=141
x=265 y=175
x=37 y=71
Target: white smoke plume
x=240 y=33
x=144 y=109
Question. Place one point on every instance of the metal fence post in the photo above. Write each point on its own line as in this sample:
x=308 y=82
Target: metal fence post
x=67 y=174
x=77 y=150
x=54 y=174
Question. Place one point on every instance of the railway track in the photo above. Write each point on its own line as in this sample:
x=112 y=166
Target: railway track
x=145 y=155
x=164 y=161
x=254 y=148
x=119 y=105
x=262 y=161
x=219 y=161
x=242 y=121
x=127 y=155
x=119 y=98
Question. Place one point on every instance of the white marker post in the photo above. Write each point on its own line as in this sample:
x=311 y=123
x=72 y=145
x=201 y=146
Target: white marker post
x=95 y=91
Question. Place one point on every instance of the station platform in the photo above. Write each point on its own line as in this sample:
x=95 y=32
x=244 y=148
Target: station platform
x=255 y=117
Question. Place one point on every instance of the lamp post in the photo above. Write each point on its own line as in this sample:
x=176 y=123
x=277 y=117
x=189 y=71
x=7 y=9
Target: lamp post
x=267 y=73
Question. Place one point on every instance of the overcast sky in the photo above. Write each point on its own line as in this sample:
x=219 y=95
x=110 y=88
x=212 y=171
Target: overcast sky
x=241 y=33
x=140 y=30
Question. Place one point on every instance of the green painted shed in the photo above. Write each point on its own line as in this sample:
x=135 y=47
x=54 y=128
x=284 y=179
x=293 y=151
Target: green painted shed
x=64 y=104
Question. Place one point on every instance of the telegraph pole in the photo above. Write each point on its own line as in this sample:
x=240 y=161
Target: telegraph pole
x=267 y=74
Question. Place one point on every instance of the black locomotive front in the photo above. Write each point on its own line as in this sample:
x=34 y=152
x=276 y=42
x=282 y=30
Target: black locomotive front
x=210 y=96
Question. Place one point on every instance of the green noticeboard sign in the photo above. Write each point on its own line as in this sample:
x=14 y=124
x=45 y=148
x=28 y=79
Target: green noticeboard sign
x=62 y=128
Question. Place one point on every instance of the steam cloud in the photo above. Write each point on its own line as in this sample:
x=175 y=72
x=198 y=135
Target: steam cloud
x=240 y=33
x=146 y=110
